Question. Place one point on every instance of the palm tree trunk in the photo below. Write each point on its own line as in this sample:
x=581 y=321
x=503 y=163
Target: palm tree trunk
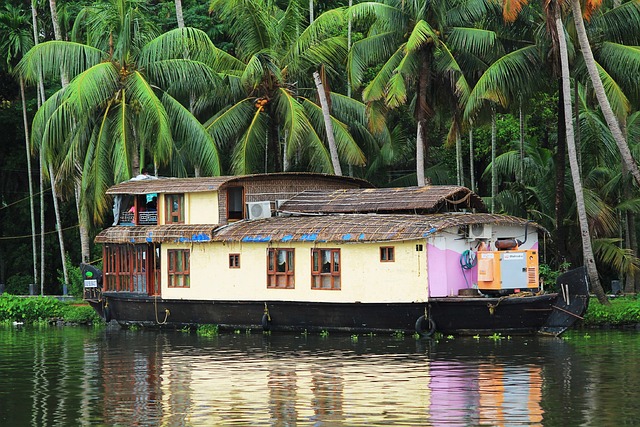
x=311 y=12
x=28 y=152
x=601 y=95
x=40 y=101
x=560 y=235
x=179 y=16
x=494 y=175
x=587 y=250
x=471 y=158
x=421 y=118
x=458 y=159
x=58 y=223
x=522 y=131
x=64 y=78
x=337 y=170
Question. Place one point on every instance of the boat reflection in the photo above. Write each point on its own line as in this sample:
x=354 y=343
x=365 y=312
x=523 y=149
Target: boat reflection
x=166 y=379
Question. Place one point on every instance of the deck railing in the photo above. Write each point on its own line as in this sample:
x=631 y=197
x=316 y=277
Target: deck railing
x=144 y=218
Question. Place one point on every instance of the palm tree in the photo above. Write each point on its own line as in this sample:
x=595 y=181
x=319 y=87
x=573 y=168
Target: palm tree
x=122 y=105
x=596 y=80
x=15 y=40
x=269 y=97
x=410 y=40
x=587 y=250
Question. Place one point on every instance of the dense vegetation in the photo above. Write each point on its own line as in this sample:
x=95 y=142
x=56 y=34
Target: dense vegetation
x=461 y=91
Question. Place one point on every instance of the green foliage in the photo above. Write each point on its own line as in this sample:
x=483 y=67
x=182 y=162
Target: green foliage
x=18 y=284
x=621 y=311
x=76 y=285
x=29 y=309
x=549 y=276
x=207 y=330
x=80 y=313
x=41 y=310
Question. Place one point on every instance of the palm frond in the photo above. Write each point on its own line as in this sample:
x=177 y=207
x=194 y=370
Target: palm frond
x=193 y=137
x=370 y=50
x=512 y=74
x=375 y=90
x=153 y=125
x=248 y=152
x=50 y=57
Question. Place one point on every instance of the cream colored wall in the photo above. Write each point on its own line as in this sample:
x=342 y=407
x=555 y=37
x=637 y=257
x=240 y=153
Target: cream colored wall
x=364 y=278
x=202 y=208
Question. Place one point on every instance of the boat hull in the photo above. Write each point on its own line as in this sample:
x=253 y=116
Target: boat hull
x=522 y=315
x=550 y=313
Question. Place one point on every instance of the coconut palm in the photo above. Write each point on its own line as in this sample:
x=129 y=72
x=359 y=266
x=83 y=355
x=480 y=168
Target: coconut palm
x=411 y=40
x=270 y=96
x=15 y=40
x=122 y=106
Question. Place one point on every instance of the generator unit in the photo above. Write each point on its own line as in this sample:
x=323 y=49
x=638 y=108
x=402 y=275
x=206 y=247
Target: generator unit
x=508 y=271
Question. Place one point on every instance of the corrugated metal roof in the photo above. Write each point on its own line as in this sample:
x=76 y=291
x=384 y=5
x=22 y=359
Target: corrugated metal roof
x=157 y=234
x=193 y=185
x=354 y=227
x=419 y=200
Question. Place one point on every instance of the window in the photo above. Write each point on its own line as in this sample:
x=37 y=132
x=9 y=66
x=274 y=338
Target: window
x=235 y=203
x=280 y=269
x=387 y=254
x=174 y=204
x=178 y=268
x=234 y=260
x=128 y=268
x=325 y=268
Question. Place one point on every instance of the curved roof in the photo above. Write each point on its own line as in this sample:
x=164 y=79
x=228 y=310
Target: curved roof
x=157 y=234
x=417 y=200
x=149 y=184
x=354 y=227
x=309 y=228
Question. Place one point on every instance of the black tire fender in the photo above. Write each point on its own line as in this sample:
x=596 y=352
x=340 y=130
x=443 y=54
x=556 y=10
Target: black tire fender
x=266 y=322
x=425 y=326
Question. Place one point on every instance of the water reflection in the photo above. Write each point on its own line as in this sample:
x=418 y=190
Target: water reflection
x=117 y=377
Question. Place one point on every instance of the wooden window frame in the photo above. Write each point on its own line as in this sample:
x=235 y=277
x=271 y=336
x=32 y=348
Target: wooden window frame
x=169 y=213
x=234 y=260
x=387 y=254
x=178 y=278
x=129 y=268
x=316 y=270
x=275 y=277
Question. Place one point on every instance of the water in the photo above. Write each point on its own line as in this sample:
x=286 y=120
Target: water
x=75 y=376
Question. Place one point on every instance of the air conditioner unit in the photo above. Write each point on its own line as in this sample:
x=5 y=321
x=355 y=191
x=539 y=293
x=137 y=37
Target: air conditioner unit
x=479 y=231
x=257 y=210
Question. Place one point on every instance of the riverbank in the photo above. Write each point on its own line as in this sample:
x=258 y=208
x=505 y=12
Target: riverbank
x=622 y=313
x=47 y=309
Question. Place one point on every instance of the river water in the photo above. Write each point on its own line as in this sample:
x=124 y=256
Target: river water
x=74 y=376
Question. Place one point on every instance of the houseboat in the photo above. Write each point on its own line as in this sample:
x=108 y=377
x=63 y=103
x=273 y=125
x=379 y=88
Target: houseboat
x=313 y=252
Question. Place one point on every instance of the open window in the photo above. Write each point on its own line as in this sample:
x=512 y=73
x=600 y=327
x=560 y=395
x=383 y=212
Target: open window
x=235 y=203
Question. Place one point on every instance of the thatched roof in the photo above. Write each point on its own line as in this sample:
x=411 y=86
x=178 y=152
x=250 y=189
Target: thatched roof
x=193 y=185
x=417 y=200
x=157 y=234
x=353 y=227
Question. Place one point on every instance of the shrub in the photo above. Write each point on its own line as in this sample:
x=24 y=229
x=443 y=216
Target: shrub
x=622 y=311
x=84 y=314
x=18 y=284
x=76 y=283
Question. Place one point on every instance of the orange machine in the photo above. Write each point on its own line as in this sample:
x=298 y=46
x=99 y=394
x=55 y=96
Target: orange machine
x=508 y=271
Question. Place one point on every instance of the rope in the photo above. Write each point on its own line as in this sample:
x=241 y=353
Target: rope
x=467 y=262
x=492 y=307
